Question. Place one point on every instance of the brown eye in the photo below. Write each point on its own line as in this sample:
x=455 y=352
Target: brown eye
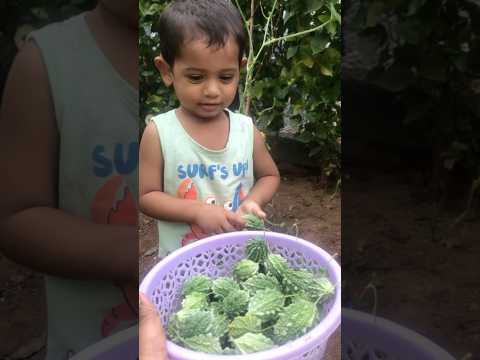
x=195 y=78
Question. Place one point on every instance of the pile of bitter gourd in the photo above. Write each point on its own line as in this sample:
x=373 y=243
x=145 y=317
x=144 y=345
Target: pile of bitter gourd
x=265 y=303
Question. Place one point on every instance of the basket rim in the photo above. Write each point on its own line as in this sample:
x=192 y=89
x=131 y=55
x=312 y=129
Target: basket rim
x=389 y=327
x=323 y=330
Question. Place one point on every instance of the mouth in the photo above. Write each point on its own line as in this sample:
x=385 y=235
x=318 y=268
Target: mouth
x=209 y=106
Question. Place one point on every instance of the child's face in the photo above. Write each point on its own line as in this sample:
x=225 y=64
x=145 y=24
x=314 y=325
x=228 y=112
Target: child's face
x=205 y=78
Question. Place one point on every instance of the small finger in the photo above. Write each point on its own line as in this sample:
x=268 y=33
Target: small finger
x=236 y=220
x=260 y=213
x=227 y=227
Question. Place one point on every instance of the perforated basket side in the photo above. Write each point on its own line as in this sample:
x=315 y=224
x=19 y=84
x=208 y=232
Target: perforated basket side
x=211 y=261
x=216 y=257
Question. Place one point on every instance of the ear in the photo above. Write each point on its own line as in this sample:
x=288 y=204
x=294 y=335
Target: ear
x=243 y=62
x=164 y=69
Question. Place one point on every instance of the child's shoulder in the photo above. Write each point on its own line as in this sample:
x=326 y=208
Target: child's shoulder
x=241 y=123
x=163 y=118
x=60 y=33
x=240 y=118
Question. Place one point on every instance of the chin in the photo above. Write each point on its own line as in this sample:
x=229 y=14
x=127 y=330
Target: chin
x=208 y=116
x=202 y=114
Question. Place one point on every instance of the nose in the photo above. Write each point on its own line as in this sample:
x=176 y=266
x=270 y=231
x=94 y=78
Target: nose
x=211 y=89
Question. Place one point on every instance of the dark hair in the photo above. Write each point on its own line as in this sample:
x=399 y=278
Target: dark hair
x=185 y=20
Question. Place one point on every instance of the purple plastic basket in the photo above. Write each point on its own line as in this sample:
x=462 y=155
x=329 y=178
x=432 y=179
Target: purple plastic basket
x=374 y=338
x=122 y=345
x=215 y=256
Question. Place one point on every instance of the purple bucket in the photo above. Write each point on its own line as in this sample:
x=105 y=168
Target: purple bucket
x=365 y=336
x=122 y=345
x=215 y=256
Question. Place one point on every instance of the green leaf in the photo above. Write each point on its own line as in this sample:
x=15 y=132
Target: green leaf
x=244 y=324
x=261 y=282
x=335 y=15
x=147 y=73
x=326 y=71
x=295 y=320
x=321 y=289
x=323 y=18
x=266 y=304
x=253 y=222
x=197 y=283
x=219 y=323
x=332 y=56
x=193 y=322
x=154 y=9
x=332 y=28
x=195 y=300
x=235 y=303
x=223 y=286
x=251 y=343
x=204 y=343
x=318 y=43
x=257 y=89
x=308 y=61
x=281 y=92
x=292 y=50
x=287 y=15
x=155 y=99
x=245 y=269
x=314 y=5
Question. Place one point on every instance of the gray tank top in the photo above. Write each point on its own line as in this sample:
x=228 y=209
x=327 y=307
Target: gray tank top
x=97 y=118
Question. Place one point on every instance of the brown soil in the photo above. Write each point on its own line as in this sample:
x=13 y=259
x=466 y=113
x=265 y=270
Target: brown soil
x=300 y=203
x=421 y=267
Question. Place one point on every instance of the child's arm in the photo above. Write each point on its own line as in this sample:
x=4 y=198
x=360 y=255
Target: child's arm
x=157 y=204
x=32 y=230
x=266 y=175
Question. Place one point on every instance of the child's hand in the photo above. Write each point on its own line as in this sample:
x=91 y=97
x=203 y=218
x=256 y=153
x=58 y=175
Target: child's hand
x=251 y=207
x=214 y=219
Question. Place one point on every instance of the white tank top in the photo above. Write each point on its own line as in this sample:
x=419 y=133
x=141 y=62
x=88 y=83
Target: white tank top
x=97 y=118
x=191 y=171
